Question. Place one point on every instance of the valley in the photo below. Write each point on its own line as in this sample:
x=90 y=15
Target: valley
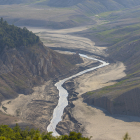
x=103 y=103
x=91 y=81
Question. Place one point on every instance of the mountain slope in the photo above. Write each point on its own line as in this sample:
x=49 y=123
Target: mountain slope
x=95 y=6
x=109 y=4
x=28 y=63
x=86 y=6
x=122 y=35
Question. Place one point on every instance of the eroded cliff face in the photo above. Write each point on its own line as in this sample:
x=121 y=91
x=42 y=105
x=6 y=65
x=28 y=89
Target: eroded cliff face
x=124 y=104
x=25 y=67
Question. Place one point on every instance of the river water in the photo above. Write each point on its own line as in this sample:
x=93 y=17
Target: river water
x=63 y=94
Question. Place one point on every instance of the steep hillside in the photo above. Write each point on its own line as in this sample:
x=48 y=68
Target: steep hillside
x=123 y=38
x=26 y=62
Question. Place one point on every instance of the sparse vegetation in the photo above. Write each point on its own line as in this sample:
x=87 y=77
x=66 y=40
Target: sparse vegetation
x=9 y=102
x=18 y=112
x=123 y=40
x=116 y=35
x=4 y=108
x=126 y=137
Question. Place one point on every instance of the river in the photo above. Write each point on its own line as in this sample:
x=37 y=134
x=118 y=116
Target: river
x=63 y=94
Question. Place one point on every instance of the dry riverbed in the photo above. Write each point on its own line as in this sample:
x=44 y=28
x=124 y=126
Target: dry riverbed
x=93 y=121
x=97 y=122
x=36 y=108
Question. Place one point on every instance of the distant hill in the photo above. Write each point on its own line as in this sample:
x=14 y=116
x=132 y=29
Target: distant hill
x=88 y=6
x=4 y=2
x=95 y=6
x=64 y=3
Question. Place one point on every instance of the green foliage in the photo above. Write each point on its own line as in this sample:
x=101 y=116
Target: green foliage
x=7 y=133
x=14 y=37
x=117 y=34
x=126 y=137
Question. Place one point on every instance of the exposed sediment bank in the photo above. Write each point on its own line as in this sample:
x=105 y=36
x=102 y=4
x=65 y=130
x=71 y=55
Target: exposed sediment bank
x=63 y=94
x=91 y=120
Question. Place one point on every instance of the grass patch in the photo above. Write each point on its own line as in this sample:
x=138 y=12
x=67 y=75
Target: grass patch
x=90 y=93
x=108 y=32
x=105 y=14
x=115 y=35
x=118 y=88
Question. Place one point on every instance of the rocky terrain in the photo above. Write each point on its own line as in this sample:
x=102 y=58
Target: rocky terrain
x=92 y=120
x=78 y=115
x=69 y=123
x=24 y=67
x=125 y=104
x=122 y=39
x=114 y=88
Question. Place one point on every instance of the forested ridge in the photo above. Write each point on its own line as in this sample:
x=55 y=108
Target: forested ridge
x=14 y=37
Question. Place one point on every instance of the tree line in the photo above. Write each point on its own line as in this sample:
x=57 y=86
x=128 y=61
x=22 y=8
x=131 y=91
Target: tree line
x=7 y=133
x=15 y=133
x=14 y=37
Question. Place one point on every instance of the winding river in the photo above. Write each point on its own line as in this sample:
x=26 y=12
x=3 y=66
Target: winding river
x=63 y=94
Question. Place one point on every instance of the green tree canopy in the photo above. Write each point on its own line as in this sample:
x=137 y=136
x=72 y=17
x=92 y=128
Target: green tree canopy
x=14 y=37
x=7 y=133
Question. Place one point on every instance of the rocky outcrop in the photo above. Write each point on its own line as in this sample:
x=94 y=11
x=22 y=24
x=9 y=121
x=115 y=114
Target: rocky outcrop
x=24 y=67
x=69 y=123
x=124 y=104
